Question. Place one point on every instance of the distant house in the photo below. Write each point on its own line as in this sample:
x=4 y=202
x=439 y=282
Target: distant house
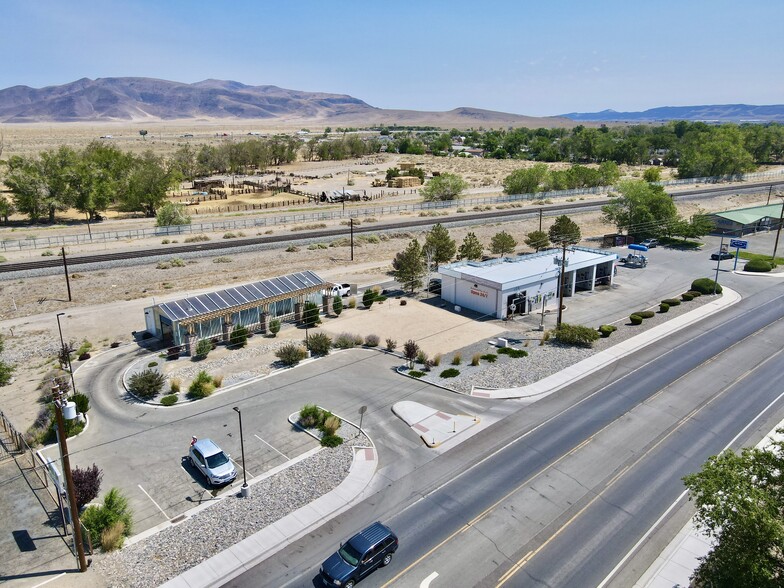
x=746 y=220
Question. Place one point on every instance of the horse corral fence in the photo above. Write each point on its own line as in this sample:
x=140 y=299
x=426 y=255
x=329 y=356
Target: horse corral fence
x=336 y=214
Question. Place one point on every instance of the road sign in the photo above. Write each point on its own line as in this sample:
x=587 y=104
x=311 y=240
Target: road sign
x=739 y=244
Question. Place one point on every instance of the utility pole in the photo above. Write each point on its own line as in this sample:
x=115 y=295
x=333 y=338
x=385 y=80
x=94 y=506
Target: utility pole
x=718 y=261
x=770 y=189
x=67 y=281
x=561 y=285
x=778 y=231
x=65 y=351
x=540 y=219
x=77 y=528
x=351 y=226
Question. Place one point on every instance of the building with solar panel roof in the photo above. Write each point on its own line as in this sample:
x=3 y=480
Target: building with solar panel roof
x=213 y=315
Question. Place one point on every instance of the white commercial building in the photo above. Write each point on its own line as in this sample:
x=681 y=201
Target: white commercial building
x=518 y=285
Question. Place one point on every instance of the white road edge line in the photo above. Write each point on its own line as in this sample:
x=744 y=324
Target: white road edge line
x=270 y=446
x=677 y=500
x=49 y=580
x=426 y=582
x=168 y=518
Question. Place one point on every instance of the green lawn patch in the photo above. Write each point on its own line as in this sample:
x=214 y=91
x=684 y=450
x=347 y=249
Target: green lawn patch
x=747 y=255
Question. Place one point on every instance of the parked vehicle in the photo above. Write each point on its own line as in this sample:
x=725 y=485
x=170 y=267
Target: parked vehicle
x=364 y=552
x=212 y=462
x=340 y=290
x=650 y=243
x=635 y=260
x=719 y=255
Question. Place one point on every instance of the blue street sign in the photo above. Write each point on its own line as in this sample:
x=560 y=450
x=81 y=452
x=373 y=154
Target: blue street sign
x=739 y=243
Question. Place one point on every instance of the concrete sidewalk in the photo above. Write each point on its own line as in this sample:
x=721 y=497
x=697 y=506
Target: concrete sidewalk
x=567 y=376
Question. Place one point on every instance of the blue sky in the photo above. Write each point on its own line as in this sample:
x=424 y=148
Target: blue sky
x=536 y=58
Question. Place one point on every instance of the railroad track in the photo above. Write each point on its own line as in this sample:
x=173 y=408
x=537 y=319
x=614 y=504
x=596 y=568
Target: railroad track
x=548 y=210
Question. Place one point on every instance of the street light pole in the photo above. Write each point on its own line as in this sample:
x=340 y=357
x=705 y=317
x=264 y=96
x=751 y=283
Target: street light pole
x=778 y=232
x=245 y=491
x=66 y=352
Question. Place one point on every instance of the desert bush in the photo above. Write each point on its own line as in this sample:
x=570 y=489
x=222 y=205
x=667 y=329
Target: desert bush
x=410 y=350
x=664 y=307
x=416 y=373
x=450 y=373
x=758 y=265
x=372 y=340
x=607 y=330
x=352 y=302
x=146 y=384
x=705 y=286
x=437 y=359
x=203 y=348
x=311 y=416
x=217 y=380
x=238 y=337
x=337 y=305
x=274 y=327
x=84 y=356
x=545 y=338
x=687 y=297
x=330 y=425
x=319 y=343
x=403 y=303
x=292 y=249
x=115 y=509
x=82 y=402
x=475 y=359
x=112 y=537
x=428 y=365
x=229 y=235
x=169 y=400
x=456 y=359
x=344 y=341
x=489 y=357
x=579 y=335
x=114 y=344
x=671 y=301
x=196 y=239
x=391 y=344
x=221 y=259
x=421 y=357
x=331 y=440
x=635 y=319
x=86 y=483
x=291 y=354
x=515 y=353
x=201 y=386
x=84 y=348
x=175 y=385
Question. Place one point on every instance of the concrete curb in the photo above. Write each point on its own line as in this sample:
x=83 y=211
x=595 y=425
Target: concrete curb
x=600 y=360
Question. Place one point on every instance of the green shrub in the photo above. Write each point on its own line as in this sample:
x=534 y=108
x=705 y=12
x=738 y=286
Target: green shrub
x=416 y=373
x=695 y=293
x=203 y=347
x=489 y=357
x=337 y=305
x=319 y=343
x=311 y=416
x=238 y=337
x=635 y=319
x=152 y=364
x=515 y=353
x=291 y=354
x=664 y=307
x=687 y=297
x=372 y=340
x=758 y=265
x=82 y=402
x=456 y=359
x=345 y=341
x=84 y=348
x=646 y=314
x=201 y=386
x=169 y=399
x=576 y=335
x=274 y=327
x=310 y=315
x=97 y=519
x=146 y=384
x=671 y=301
x=705 y=286
x=331 y=440
x=368 y=297
x=450 y=373
x=607 y=330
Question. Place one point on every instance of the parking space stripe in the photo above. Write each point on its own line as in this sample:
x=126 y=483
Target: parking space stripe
x=239 y=465
x=155 y=503
x=270 y=446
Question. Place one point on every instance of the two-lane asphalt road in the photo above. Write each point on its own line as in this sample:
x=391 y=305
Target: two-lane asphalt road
x=557 y=494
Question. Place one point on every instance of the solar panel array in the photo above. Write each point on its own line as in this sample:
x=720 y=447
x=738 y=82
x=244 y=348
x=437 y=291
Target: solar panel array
x=202 y=304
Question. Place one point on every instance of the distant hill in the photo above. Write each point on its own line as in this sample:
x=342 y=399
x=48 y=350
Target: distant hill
x=715 y=112
x=148 y=99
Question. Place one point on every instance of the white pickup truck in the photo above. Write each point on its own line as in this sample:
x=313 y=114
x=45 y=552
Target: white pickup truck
x=340 y=290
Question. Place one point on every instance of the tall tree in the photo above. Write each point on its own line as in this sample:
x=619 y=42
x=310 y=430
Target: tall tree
x=526 y=180
x=502 y=243
x=408 y=267
x=471 y=248
x=740 y=504
x=147 y=185
x=642 y=209
x=537 y=240
x=443 y=187
x=441 y=245
x=563 y=232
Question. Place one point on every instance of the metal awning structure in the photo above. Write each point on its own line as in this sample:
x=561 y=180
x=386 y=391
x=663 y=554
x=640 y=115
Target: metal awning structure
x=204 y=307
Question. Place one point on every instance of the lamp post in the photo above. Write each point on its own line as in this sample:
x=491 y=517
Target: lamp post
x=67 y=353
x=778 y=232
x=245 y=491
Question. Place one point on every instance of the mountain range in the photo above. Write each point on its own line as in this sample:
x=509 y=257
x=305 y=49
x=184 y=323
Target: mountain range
x=713 y=112
x=132 y=99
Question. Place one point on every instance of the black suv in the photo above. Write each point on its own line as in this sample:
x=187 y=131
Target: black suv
x=360 y=555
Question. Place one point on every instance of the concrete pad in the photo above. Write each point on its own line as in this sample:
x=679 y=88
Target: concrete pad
x=432 y=425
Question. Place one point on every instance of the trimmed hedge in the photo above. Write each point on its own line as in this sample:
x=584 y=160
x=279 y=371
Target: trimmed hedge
x=646 y=314
x=758 y=265
x=416 y=373
x=687 y=297
x=671 y=301
x=664 y=307
x=576 y=335
x=516 y=353
x=169 y=400
x=695 y=294
x=607 y=330
x=705 y=286
x=635 y=319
